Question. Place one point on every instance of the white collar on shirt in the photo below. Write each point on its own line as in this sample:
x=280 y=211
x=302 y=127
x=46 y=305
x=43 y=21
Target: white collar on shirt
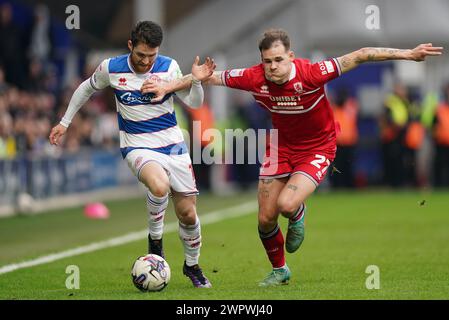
x=292 y=72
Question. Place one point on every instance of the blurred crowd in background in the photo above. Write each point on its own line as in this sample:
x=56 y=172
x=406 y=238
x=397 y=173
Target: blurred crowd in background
x=33 y=98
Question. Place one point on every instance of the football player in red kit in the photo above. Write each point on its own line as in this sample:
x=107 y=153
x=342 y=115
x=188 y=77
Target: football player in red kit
x=292 y=89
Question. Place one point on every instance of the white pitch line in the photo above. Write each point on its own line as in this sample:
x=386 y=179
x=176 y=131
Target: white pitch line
x=212 y=217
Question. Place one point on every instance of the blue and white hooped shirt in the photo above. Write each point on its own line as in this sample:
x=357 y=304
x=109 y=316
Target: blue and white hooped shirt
x=142 y=124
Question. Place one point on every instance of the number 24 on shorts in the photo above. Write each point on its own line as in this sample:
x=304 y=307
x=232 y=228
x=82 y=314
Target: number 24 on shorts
x=318 y=162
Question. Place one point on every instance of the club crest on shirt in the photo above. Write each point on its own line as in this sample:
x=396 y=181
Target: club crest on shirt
x=298 y=87
x=155 y=78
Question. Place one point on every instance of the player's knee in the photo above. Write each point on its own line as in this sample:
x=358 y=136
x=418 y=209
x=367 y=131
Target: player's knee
x=154 y=177
x=266 y=222
x=287 y=206
x=187 y=215
x=158 y=187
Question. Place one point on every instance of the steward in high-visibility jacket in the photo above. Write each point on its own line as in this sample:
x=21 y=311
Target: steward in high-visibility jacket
x=397 y=118
x=441 y=127
x=346 y=117
x=346 y=114
x=441 y=139
x=415 y=130
x=393 y=128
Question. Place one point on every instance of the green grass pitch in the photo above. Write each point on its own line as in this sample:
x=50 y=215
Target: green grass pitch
x=404 y=237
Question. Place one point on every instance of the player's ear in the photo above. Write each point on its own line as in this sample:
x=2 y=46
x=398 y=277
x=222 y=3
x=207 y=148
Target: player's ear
x=291 y=55
x=130 y=45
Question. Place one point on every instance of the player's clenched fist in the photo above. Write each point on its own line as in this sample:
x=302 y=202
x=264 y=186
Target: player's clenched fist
x=55 y=133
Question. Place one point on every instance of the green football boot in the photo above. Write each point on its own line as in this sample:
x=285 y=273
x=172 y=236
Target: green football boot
x=276 y=277
x=295 y=234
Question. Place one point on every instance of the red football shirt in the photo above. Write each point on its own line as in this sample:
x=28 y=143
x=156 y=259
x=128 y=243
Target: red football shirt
x=299 y=108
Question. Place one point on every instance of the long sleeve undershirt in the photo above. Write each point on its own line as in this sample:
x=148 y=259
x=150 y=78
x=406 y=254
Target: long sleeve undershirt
x=100 y=80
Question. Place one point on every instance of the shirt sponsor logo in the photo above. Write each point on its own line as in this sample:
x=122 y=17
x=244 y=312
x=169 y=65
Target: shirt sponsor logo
x=283 y=99
x=122 y=82
x=236 y=73
x=329 y=66
x=322 y=68
x=326 y=67
x=131 y=98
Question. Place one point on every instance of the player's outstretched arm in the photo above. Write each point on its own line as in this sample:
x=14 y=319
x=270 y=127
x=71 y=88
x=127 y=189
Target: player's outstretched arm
x=79 y=98
x=353 y=59
x=99 y=80
x=200 y=73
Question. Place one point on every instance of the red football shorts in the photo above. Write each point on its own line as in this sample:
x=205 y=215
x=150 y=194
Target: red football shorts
x=312 y=164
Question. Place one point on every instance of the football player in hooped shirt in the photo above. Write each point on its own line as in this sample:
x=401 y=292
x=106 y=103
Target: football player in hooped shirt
x=150 y=139
x=292 y=89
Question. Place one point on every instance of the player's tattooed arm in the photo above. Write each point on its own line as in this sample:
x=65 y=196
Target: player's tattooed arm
x=161 y=89
x=182 y=83
x=353 y=59
x=215 y=79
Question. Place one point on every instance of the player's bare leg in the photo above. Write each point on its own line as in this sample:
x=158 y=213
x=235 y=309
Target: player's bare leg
x=190 y=235
x=291 y=204
x=269 y=232
x=154 y=177
x=269 y=190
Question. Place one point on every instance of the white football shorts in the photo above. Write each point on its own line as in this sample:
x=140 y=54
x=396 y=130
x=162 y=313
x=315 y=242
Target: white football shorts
x=178 y=168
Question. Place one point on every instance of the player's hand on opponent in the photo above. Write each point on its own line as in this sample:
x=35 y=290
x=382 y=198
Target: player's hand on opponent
x=157 y=88
x=55 y=133
x=204 y=71
x=199 y=72
x=423 y=50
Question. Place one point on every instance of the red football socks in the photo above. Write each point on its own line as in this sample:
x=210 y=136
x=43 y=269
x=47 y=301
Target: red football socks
x=273 y=243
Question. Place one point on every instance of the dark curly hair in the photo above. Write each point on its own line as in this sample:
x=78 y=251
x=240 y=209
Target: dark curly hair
x=147 y=32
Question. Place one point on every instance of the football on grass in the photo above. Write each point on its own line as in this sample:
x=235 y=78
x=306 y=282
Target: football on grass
x=150 y=273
